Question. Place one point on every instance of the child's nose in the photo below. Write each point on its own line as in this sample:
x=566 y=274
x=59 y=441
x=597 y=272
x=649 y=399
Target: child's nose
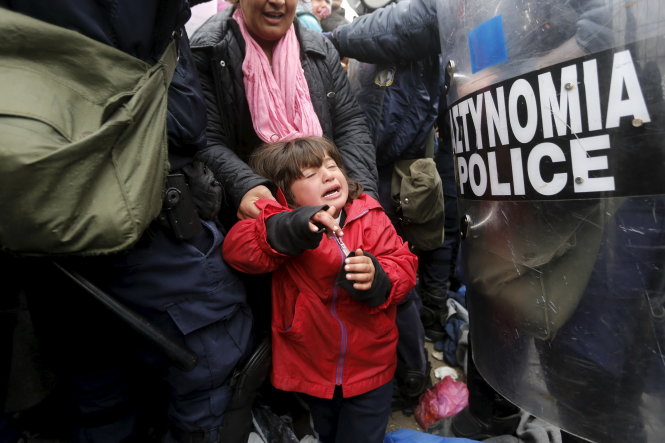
x=327 y=175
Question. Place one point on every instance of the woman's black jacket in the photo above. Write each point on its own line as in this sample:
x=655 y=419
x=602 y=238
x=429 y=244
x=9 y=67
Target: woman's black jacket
x=219 y=49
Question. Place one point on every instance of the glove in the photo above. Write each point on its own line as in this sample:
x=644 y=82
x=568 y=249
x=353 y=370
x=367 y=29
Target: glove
x=206 y=191
x=374 y=296
x=289 y=233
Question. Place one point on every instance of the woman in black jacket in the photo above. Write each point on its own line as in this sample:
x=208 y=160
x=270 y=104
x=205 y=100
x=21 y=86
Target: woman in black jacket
x=219 y=50
x=284 y=56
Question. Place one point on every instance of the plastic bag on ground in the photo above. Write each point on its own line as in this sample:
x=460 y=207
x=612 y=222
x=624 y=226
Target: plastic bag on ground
x=444 y=399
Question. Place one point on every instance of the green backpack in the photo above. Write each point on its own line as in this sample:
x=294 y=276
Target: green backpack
x=83 y=150
x=417 y=193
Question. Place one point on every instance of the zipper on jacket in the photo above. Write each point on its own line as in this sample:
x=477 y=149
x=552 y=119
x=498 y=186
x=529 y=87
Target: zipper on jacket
x=333 y=310
x=344 y=339
x=356 y=218
x=344 y=342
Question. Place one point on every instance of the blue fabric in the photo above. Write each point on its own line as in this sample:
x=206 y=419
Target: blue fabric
x=196 y=288
x=410 y=110
x=411 y=355
x=401 y=103
x=201 y=396
x=189 y=294
x=624 y=256
x=206 y=301
x=7 y=433
x=449 y=343
x=122 y=24
x=453 y=332
x=309 y=21
x=487 y=44
x=412 y=436
x=187 y=118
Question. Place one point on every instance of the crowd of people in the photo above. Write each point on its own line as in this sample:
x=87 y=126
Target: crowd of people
x=251 y=78
x=298 y=238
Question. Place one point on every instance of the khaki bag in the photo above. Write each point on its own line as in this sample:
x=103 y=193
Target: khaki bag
x=417 y=193
x=83 y=145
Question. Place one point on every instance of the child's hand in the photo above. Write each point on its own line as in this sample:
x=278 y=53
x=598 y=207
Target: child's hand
x=327 y=220
x=359 y=269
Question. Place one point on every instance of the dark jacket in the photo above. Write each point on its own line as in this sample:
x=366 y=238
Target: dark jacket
x=335 y=19
x=411 y=30
x=399 y=95
x=401 y=102
x=122 y=24
x=404 y=31
x=219 y=49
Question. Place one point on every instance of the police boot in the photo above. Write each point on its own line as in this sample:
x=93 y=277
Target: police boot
x=477 y=425
x=408 y=388
x=468 y=425
x=433 y=309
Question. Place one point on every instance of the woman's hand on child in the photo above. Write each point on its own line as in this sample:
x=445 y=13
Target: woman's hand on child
x=360 y=269
x=247 y=208
x=326 y=220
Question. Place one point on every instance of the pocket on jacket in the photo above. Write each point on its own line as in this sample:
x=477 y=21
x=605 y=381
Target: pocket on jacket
x=304 y=318
x=289 y=319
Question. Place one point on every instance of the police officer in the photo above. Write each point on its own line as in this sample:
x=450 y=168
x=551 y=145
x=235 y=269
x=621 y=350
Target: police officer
x=554 y=269
x=178 y=281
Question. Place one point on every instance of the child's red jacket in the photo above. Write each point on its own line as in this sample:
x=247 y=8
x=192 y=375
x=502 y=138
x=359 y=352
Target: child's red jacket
x=321 y=336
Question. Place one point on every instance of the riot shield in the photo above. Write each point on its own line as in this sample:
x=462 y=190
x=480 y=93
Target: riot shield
x=555 y=113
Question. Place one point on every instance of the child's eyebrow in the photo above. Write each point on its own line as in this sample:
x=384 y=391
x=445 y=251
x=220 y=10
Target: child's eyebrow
x=312 y=165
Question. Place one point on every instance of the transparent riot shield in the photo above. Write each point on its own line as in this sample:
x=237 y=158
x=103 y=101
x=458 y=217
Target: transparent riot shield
x=557 y=123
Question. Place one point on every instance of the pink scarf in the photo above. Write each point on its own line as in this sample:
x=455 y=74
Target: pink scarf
x=278 y=98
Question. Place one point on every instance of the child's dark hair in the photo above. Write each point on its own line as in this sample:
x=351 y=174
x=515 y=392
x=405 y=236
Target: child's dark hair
x=283 y=162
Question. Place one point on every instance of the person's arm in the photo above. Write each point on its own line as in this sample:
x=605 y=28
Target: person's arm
x=257 y=246
x=186 y=110
x=290 y=233
x=236 y=176
x=246 y=246
x=246 y=249
x=594 y=25
x=400 y=32
x=350 y=132
x=593 y=33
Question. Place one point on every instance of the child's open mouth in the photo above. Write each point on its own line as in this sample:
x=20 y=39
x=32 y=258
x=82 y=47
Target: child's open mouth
x=332 y=192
